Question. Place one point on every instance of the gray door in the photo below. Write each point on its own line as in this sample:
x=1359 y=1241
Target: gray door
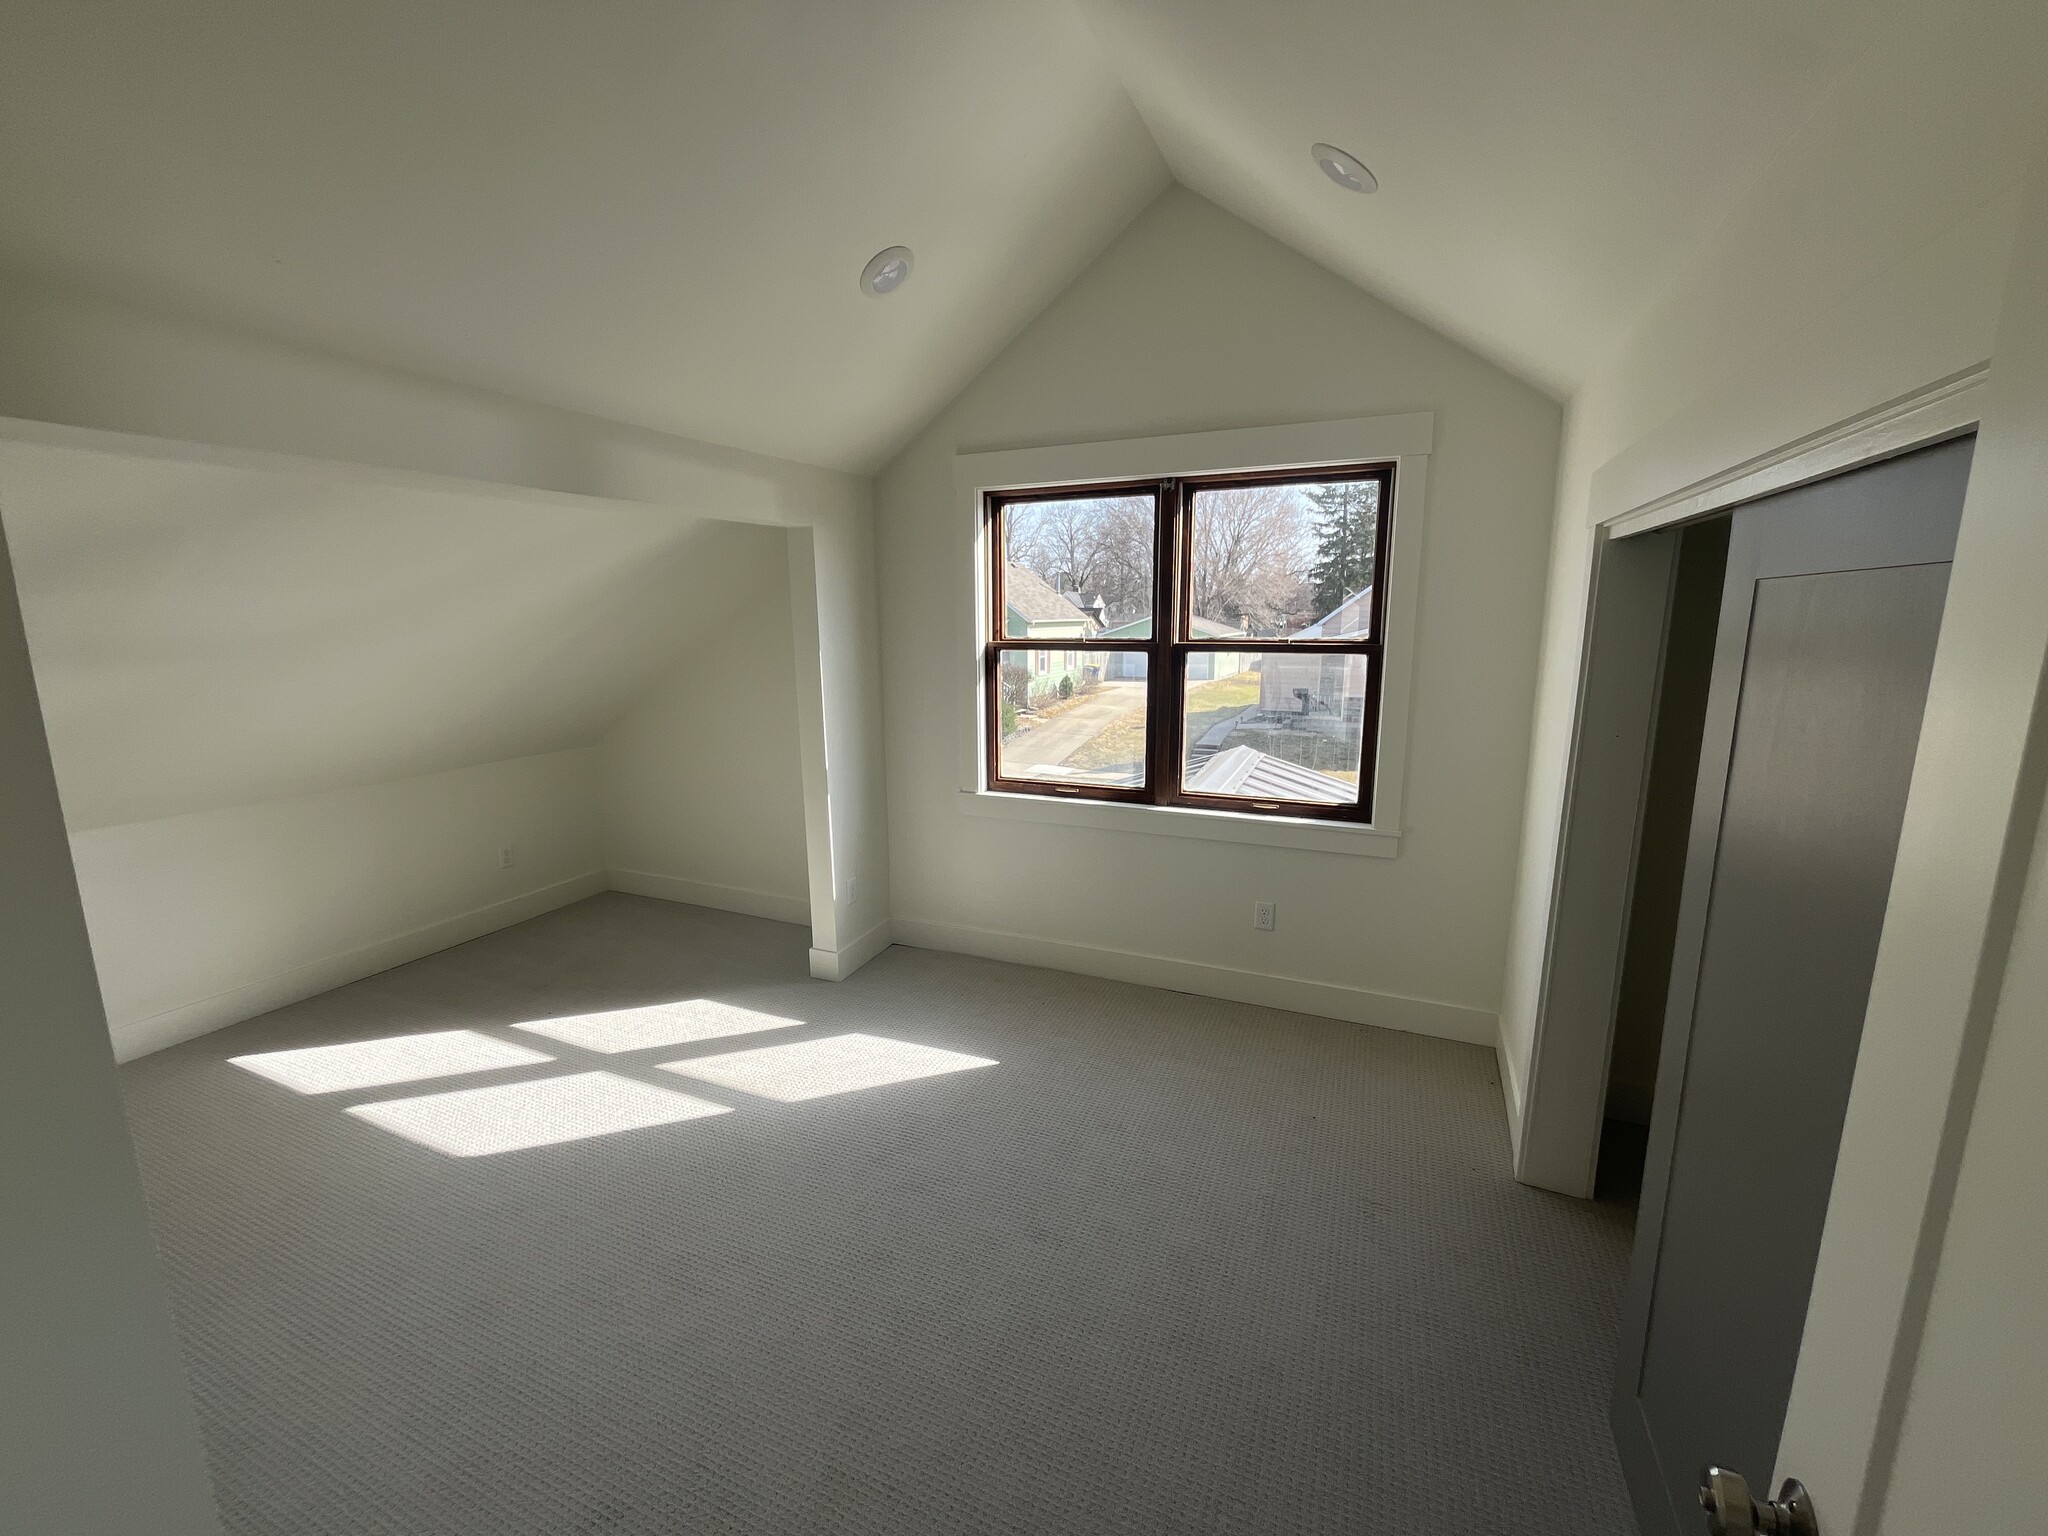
x=1828 y=621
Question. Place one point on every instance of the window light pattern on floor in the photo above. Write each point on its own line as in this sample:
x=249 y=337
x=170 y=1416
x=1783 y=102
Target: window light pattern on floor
x=380 y=1063
x=573 y=1106
x=659 y=1024
x=815 y=1069
x=477 y=1122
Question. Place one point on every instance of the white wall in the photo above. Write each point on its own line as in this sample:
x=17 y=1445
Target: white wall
x=96 y=1433
x=1919 y=1400
x=1865 y=264
x=1976 y=1414
x=209 y=918
x=1193 y=320
x=701 y=785
x=94 y=368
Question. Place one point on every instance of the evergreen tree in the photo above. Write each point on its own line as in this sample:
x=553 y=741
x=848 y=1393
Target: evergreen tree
x=1347 y=530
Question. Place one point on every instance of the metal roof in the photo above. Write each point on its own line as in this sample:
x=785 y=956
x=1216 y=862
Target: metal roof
x=1203 y=629
x=1256 y=775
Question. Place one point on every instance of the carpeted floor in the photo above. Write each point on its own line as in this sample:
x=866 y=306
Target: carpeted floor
x=1163 y=1264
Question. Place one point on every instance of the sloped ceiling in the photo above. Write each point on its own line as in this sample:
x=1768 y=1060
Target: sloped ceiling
x=656 y=211
x=207 y=636
x=1544 y=169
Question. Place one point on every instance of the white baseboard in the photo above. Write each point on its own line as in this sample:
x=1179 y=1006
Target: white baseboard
x=139 y=1037
x=838 y=964
x=1355 y=1005
x=703 y=893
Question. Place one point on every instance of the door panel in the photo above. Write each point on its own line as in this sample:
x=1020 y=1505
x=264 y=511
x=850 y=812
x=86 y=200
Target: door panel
x=1836 y=674
x=1829 y=617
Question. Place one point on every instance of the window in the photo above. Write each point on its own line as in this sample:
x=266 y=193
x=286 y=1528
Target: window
x=1210 y=640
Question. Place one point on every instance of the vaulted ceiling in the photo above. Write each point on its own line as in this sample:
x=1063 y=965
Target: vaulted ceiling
x=1544 y=169
x=656 y=211
x=206 y=636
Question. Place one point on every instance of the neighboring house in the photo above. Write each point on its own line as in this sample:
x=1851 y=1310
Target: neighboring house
x=1091 y=603
x=1033 y=610
x=1351 y=617
x=1202 y=665
x=1314 y=685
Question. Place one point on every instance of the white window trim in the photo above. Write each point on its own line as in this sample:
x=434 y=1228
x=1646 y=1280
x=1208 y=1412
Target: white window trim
x=1405 y=440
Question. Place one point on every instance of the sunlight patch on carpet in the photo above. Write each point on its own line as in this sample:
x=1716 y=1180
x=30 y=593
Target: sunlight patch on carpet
x=380 y=1063
x=658 y=1024
x=477 y=1122
x=815 y=1069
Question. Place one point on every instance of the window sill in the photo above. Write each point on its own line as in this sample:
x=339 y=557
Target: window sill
x=1181 y=821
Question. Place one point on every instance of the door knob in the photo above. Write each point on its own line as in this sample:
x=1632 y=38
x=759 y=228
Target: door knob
x=1725 y=1496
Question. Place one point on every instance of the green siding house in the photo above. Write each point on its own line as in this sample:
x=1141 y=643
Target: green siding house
x=1033 y=610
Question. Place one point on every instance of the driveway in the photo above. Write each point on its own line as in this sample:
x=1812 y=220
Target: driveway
x=1059 y=738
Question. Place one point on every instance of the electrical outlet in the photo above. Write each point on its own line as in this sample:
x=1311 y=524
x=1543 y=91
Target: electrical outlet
x=1264 y=915
x=507 y=856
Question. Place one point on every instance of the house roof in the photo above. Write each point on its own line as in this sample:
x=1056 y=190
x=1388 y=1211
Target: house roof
x=1261 y=776
x=1349 y=609
x=1204 y=629
x=1031 y=597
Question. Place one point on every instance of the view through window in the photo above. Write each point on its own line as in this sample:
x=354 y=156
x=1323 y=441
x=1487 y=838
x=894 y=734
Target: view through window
x=1201 y=641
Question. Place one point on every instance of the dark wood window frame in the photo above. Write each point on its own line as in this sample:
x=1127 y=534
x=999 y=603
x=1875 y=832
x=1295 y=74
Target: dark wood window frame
x=1171 y=642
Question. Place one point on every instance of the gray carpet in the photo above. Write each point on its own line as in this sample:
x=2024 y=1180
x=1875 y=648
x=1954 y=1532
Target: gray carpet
x=1170 y=1265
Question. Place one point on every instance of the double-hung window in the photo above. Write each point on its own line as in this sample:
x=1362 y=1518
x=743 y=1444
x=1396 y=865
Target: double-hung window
x=1211 y=640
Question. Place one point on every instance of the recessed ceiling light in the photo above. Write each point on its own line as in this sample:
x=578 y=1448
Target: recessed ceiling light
x=1348 y=171
x=885 y=272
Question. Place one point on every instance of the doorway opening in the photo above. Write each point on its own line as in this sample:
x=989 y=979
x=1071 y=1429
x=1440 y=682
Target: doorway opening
x=1687 y=665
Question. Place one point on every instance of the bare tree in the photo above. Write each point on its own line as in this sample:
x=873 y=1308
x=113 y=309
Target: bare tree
x=1252 y=551
x=1126 y=540
x=1102 y=546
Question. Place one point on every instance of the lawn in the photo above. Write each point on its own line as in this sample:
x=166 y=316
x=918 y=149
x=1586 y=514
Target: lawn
x=1209 y=704
x=1123 y=740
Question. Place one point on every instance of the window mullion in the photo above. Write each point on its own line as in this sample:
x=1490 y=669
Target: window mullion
x=1160 y=726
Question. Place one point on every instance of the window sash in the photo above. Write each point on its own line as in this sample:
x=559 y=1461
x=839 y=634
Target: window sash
x=1181 y=493
x=1170 y=645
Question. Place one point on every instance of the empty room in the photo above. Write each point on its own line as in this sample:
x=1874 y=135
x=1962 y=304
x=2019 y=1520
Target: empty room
x=1066 y=766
